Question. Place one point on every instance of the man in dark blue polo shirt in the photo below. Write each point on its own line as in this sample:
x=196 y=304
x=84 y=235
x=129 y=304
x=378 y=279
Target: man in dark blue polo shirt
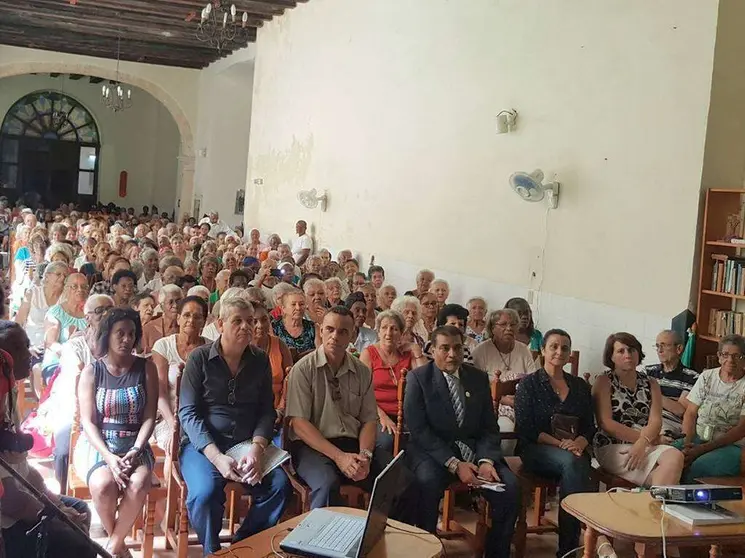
x=226 y=398
x=675 y=381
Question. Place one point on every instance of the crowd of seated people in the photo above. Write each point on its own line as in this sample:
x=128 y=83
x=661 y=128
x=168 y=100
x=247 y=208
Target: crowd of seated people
x=277 y=343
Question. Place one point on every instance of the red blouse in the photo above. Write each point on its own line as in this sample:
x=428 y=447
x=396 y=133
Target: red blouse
x=385 y=379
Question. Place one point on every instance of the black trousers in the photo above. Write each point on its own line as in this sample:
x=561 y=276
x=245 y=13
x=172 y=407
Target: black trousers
x=432 y=478
x=325 y=479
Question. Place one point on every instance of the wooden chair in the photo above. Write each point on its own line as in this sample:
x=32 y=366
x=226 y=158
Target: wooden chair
x=400 y=392
x=176 y=519
x=77 y=488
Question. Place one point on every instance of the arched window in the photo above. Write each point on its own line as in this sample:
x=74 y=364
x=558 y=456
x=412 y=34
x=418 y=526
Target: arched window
x=49 y=145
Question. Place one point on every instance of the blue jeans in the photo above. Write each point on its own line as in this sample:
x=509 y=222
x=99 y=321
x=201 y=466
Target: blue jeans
x=205 y=502
x=721 y=462
x=61 y=541
x=573 y=475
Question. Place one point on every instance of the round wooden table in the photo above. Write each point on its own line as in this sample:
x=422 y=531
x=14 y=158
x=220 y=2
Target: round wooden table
x=395 y=543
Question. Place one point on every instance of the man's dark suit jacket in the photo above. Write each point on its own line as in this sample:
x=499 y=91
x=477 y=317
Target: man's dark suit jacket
x=430 y=418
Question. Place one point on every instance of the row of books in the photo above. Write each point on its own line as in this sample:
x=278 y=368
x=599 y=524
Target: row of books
x=725 y=322
x=728 y=275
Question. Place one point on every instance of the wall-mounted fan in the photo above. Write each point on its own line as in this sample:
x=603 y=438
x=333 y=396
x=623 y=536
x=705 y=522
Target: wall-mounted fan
x=530 y=187
x=312 y=199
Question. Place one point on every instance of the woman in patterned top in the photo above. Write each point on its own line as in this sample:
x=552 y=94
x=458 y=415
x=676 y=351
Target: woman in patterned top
x=714 y=421
x=298 y=333
x=118 y=397
x=628 y=406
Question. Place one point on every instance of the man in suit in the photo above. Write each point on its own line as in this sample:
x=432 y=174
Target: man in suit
x=454 y=435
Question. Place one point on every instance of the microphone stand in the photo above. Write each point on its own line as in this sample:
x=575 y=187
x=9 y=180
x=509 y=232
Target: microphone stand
x=49 y=512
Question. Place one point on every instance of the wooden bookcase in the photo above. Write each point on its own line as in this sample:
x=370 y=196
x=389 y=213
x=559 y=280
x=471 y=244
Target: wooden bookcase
x=719 y=205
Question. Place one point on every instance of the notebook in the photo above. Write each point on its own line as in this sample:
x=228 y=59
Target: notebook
x=272 y=457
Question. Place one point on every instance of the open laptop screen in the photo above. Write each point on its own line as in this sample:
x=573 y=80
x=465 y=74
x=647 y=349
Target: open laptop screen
x=390 y=482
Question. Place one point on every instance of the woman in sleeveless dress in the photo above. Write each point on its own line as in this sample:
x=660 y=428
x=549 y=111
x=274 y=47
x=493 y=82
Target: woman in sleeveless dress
x=169 y=353
x=387 y=360
x=118 y=396
x=628 y=406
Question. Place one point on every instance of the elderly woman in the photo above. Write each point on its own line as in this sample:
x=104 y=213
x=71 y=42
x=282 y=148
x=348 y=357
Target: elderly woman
x=208 y=266
x=273 y=243
x=363 y=336
x=386 y=296
x=315 y=295
x=359 y=280
x=76 y=354
x=314 y=264
x=555 y=424
x=423 y=282
x=149 y=259
x=714 y=421
x=118 y=397
x=500 y=351
x=38 y=300
x=388 y=358
x=334 y=291
x=167 y=324
x=171 y=352
x=428 y=320
x=457 y=316
x=441 y=289
x=279 y=355
x=178 y=245
x=325 y=256
x=61 y=321
x=527 y=333
x=410 y=308
x=222 y=280
x=144 y=305
x=298 y=333
x=628 y=407
x=476 y=325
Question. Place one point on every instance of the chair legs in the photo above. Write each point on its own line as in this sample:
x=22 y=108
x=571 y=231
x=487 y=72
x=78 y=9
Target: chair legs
x=149 y=534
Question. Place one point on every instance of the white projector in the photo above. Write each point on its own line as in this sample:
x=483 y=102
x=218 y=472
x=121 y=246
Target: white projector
x=696 y=493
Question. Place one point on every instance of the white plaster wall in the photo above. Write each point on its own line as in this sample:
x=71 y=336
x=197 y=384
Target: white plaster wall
x=225 y=92
x=390 y=106
x=142 y=140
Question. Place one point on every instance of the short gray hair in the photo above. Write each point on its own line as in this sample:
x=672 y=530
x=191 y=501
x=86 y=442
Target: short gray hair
x=171 y=289
x=390 y=315
x=422 y=272
x=677 y=337
x=170 y=261
x=56 y=267
x=403 y=301
x=199 y=290
x=480 y=299
x=147 y=252
x=736 y=340
x=94 y=300
x=313 y=282
x=232 y=292
x=335 y=280
x=439 y=282
x=280 y=290
x=494 y=318
x=228 y=305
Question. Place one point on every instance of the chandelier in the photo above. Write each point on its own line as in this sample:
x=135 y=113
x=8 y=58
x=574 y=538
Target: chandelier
x=218 y=26
x=113 y=95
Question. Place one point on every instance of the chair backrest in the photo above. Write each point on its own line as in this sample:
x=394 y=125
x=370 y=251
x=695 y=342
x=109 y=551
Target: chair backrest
x=400 y=392
x=176 y=434
x=498 y=390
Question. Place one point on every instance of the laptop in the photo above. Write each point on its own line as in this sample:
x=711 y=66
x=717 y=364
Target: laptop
x=329 y=534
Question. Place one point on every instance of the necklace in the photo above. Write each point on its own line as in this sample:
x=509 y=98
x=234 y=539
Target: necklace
x=507 y=362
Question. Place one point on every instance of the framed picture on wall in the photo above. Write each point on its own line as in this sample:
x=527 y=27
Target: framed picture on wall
x=240 y=201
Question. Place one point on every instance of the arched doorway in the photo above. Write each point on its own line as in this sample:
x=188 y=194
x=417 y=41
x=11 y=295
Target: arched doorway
x=49 y=146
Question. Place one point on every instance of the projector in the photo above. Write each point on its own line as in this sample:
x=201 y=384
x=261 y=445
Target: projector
x=696 y=493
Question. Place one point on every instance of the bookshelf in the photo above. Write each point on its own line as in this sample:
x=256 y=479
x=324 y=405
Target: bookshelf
x=721 y=274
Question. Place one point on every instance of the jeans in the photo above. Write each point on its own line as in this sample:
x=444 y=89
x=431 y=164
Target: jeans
x=61 y=541
x=205 y=502
x=721 y=462
x=62 y=454
x=433 y=478
x=573 y=476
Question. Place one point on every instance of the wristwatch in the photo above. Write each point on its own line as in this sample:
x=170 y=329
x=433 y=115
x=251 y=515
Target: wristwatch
x=366 y=453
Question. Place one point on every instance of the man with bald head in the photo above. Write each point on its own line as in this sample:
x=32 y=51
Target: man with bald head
x=302 y=245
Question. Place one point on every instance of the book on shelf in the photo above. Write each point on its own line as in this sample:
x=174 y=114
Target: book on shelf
x=725 y=322
x=728 y=274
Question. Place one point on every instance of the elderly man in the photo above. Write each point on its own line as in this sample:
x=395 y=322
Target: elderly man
x=333 y=415
x=675 y=381
x=20 y=510
x=226 y=398
x=216 y=225
x=167 y=324
x=454 y=436
x=302 y=245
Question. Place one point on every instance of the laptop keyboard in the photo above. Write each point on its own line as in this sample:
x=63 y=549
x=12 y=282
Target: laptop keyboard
x=338 y=534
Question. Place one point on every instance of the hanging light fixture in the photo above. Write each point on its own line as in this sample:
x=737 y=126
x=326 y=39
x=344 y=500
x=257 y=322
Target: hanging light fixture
x=219 y=26
x=113 y=95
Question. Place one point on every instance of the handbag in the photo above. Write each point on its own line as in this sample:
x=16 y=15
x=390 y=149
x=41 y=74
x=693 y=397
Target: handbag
x=564 y=427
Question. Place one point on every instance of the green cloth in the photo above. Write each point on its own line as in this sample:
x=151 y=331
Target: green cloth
x=687 y=357
x=721 y=462
x=535 y=340
x=214 y=297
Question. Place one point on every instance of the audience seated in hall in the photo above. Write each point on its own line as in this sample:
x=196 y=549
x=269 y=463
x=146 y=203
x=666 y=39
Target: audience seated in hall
x=236 y=315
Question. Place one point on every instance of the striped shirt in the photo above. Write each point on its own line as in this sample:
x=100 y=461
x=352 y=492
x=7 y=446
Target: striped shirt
x=672 y=384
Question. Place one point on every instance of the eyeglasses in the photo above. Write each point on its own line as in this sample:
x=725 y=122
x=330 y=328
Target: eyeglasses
x=505 y=326
x=231 y=392
x=433 y=303
x=100 y=310
x=333 y=382
x=736 y=357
